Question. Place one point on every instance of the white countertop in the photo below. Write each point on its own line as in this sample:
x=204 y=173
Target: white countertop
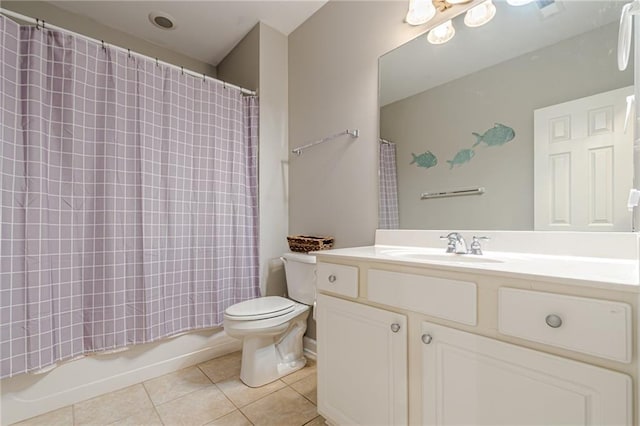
x=621 y=274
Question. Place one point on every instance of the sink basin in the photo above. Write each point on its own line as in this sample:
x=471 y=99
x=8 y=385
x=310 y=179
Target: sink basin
x=439 y=257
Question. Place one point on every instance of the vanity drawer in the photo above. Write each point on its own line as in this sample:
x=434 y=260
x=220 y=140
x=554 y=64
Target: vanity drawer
x=439 y=297
x=339 y=279
x=595 y=327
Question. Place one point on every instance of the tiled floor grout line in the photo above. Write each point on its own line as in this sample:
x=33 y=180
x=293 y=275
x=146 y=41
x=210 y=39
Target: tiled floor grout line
x=155 y=409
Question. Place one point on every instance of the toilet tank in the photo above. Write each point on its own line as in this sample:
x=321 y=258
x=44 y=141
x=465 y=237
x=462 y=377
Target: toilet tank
x=300 y=269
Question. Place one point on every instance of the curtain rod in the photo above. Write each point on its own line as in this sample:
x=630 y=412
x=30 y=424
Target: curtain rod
x=40 y=22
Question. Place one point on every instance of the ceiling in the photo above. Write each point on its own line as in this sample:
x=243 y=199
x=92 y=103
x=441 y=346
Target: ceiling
x=204 y=30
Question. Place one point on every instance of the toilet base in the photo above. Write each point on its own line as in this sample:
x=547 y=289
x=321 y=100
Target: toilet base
x=268 y=358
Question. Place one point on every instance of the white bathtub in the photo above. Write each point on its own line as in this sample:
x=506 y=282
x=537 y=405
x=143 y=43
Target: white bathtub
x=29 y=395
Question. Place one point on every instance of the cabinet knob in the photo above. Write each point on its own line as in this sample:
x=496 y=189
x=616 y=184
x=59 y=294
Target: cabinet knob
x=395 y=327
x=553 y=321
x=332 y=278
x=426 y=339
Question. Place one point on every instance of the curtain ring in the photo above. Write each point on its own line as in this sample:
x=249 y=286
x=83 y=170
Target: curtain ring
x=157 y=64
x=203 y=77
x=182 y=70
x=43 y=27
x=129 y=53
x=37 y=24
x=103 y=47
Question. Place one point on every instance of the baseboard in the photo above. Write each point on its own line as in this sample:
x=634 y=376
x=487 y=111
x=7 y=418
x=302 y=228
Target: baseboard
x=310 y=348
x=27 y=395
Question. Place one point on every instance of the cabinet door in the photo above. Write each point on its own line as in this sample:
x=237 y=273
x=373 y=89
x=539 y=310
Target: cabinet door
x=472 y=380
x=362 y=363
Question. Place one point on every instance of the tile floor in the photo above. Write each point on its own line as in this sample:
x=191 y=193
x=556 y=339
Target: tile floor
x=207 y=394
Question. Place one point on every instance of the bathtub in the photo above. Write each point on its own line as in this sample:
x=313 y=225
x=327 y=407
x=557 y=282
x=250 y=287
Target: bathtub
x=28 y=395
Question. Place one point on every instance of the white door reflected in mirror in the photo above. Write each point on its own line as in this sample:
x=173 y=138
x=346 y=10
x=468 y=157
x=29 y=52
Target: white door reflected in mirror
x=583 y=164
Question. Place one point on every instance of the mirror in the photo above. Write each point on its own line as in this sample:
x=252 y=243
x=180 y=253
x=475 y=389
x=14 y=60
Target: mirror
x=529 y=108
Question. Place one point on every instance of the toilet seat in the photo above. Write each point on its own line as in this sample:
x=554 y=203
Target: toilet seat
x=260 y=308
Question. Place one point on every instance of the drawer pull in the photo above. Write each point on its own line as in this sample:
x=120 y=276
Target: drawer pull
x=553 y=321
x=332 y=278
x=426 y=339
x=395 y=327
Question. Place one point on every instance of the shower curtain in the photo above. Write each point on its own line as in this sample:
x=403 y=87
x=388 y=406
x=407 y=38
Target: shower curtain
x=129 y=199
x=388 y=202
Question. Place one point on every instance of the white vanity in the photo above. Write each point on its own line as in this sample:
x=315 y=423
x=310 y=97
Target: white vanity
x=525 y=334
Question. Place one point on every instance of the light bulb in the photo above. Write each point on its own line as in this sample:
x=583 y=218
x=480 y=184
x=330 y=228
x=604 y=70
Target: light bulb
x=420 y=12
x=518 y=2
x=480 y=14
x=442 y=33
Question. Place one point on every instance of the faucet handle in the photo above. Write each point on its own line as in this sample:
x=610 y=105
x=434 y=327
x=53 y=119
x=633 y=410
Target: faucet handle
x=475 y=245
x=451 y=238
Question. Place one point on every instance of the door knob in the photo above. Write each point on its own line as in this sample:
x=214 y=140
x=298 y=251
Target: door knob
x=426 y=339
x=395 y=327
x=332 y=278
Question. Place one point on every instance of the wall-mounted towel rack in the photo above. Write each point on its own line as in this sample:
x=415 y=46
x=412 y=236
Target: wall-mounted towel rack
x=385 y=141
x=452 y=193
x=353 y=133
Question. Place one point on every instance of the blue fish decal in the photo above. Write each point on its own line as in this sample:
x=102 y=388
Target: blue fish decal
x=463 y=156
x=426 y=159
x=496 y=136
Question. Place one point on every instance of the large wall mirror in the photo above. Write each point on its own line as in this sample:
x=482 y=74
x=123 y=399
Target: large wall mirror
x=515 y=125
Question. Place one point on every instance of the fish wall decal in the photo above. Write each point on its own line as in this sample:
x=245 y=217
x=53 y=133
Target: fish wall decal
x=498 y=135
x=463 y=156
x=426 y=159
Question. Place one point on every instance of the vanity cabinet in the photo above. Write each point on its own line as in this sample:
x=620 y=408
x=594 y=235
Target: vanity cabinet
x=400 y=346
x=473 y=380
x=362 y=363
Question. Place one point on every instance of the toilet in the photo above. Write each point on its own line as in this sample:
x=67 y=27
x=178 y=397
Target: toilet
x=272 y=327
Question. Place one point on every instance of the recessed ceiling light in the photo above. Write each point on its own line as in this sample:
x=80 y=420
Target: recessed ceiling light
x=162 y=20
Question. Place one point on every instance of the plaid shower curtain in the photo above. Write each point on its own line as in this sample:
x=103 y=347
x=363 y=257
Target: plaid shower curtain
x=388 y=193
x=129 y=199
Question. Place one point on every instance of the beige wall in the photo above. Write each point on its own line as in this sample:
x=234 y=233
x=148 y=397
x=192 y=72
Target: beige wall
x=83 y=25
x=506 y=93
x=260 y=61
x=241 y=66
x=333 y=86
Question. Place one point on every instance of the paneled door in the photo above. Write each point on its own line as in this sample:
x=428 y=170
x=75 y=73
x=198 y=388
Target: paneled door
x=362 y=364
x=584 y=164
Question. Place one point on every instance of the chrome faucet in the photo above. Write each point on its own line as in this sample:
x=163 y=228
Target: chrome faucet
x=456 y=243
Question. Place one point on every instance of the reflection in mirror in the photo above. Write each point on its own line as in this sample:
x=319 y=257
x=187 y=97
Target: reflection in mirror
x=529 y=107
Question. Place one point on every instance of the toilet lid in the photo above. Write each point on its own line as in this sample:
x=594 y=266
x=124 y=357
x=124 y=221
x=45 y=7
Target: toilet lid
x=260 y=308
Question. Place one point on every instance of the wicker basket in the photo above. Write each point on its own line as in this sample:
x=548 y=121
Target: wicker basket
x=306 y=243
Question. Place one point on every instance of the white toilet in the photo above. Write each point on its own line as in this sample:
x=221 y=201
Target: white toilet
x=272 y=327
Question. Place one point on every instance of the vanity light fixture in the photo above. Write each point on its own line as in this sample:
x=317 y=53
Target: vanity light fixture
x=442 y=33
x=458 y=1
x=480 y=14
x=518 y=2
x=420 y=12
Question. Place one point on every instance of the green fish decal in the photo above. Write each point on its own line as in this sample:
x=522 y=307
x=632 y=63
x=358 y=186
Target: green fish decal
x=463 y=156
x=426 y=160
x=496 y=136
